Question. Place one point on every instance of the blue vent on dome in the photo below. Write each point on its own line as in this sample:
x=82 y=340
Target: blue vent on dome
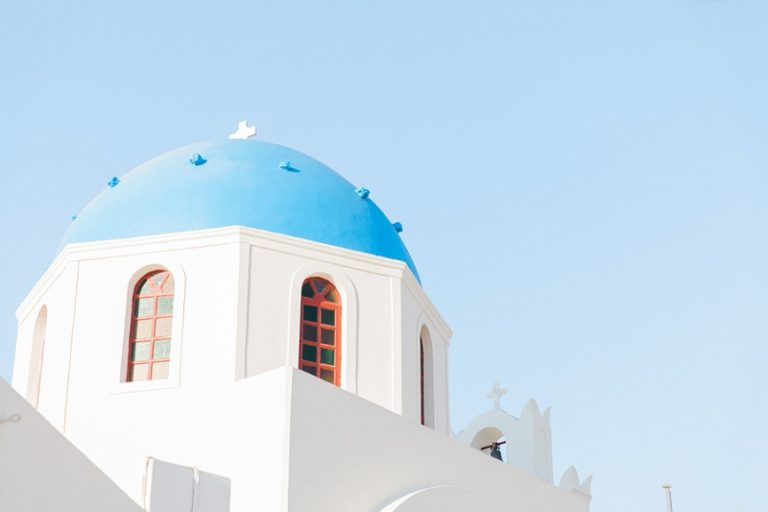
x=239 y=187
x=288 y=166
x=197 y=159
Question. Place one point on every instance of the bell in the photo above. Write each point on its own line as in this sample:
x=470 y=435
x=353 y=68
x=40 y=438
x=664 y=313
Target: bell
x=495 y=452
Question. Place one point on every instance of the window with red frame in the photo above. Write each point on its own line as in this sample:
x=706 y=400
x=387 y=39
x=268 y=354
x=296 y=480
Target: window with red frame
x=320 y=337
x=149 y=344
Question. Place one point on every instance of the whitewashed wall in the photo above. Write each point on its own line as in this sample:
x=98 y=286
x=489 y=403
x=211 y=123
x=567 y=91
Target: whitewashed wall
x=40 y=471
x=349 y=455
x=236 y=317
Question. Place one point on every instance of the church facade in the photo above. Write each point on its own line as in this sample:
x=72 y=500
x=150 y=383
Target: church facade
x=234 y=326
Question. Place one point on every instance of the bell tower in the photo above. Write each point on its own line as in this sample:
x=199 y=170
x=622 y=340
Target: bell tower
x=524 y=442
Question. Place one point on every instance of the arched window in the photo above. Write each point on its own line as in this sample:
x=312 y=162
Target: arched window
x=421 y=372
x=320 y=338
x=149 y=343
x=427 y=399
x=36 y=357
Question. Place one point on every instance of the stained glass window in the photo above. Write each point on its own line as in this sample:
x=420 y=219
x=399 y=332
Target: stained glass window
x=320 y=333
x=149 y=349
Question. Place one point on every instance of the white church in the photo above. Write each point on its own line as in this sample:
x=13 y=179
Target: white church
x=233 y=326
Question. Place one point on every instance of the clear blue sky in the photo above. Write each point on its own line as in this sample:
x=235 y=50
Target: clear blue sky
x=583 y=187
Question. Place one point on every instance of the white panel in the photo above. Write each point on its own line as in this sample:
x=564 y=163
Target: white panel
x=212 y=493
x=175 y=488
x=170 y=487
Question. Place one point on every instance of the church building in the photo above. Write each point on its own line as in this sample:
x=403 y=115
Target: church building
x=233 y=326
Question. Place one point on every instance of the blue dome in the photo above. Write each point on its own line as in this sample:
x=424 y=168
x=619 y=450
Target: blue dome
x=239 y=183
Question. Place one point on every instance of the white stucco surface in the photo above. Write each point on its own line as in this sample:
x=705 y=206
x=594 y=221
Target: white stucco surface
x=236 y=407
x=350 y=455
x=41 y=471
x=236 y=314
x=444 y=497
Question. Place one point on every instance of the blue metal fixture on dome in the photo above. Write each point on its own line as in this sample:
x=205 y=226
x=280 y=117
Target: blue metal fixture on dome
x=398 y=227
x=197 y=159
x=288 y=166
x=113 y=182
x=240 y=188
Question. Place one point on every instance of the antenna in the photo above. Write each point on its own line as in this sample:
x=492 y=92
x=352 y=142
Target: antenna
x=668 y=490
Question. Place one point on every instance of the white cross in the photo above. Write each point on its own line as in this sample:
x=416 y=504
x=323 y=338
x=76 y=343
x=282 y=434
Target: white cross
x=496 y=394
x=243 y=131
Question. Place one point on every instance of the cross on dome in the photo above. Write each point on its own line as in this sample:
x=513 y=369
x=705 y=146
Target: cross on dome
x=243 y=131
x=496 y=393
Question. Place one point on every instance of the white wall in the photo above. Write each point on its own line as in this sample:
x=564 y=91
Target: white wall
x=442 y=498
x=417 y=314
x=57 y=290
x=43 y=472
x=238 y=289
x=234 y=429
x=236 y=319
x=383 y=308
x=349 y=455
x=286 y=440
